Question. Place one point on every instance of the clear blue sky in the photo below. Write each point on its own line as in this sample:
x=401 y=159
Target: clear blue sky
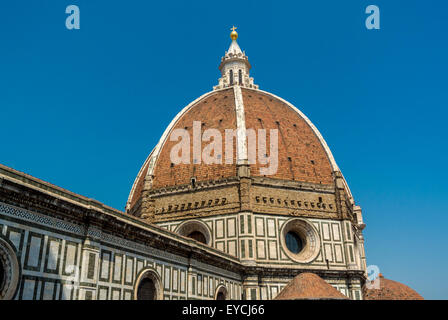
x=83 y=108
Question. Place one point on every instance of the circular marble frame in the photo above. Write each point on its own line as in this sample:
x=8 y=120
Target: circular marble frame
x=310 y=238
x=11 y=269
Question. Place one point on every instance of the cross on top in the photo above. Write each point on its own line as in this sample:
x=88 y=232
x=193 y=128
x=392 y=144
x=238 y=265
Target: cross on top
x=233 y=28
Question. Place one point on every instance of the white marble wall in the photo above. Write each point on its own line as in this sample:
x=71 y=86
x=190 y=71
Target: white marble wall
x=58 y=263
x=257 y=236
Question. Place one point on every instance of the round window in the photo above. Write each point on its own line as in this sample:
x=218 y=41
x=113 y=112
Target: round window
x=300 y=240
x=293 y=242
x=9 y=270
x=221 y=293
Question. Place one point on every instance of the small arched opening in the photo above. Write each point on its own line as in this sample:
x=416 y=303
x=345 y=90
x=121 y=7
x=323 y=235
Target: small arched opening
x=146 y=290
x=198 y=236
x=220 y=296
x=221 y=293
x=148 y=285
x=195 y=229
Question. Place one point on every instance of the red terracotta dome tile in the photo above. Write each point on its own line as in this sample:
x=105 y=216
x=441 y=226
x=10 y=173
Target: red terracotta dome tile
x=390 y=290
x=309 y=286
x=303 y=155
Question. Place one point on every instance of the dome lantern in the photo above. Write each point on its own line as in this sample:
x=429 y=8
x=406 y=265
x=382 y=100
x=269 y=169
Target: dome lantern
x=235 y=66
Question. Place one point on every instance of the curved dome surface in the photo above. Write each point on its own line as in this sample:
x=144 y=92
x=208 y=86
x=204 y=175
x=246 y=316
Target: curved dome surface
x=390 y=290
x=303 y=154
x=309 y=286
x=216 y=111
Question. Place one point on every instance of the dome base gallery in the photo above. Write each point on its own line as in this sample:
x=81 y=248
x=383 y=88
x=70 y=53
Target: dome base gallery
x=240 y=199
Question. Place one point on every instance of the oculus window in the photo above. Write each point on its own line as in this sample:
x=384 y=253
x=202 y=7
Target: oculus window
x=293 y=242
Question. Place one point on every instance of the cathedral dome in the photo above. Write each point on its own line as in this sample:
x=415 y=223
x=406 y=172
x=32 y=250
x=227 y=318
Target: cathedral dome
x=236 y=104
x=303 y=154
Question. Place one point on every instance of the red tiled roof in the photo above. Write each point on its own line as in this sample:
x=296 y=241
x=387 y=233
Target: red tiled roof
x=301 y=156
x=390 y=290
x=309 y=286
x=214 y=112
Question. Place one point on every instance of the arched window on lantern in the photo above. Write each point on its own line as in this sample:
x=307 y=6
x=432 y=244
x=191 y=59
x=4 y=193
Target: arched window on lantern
x=240 y=77
x=231 y=77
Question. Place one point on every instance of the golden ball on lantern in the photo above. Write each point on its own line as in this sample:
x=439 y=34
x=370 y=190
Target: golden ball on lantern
x=233 y=34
